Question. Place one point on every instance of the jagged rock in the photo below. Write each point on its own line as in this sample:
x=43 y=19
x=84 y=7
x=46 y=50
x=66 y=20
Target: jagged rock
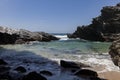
x=20 y=69
x=86 y=72
x=105 y=27
x=48 y=73
x=6 y=38
x=115 y=52
x=10 y=36
x=2 y=62
x=33 y=76
x=70 y=64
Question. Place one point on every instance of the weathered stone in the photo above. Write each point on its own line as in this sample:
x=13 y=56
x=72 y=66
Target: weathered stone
x=115 y=52
x=10 y=36
x=70 y=64
x=105 y=27
x=86 y=72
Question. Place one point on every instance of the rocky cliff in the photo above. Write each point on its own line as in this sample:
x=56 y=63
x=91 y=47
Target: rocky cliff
x=115 y=52
x=105 y=27
x=11 y=36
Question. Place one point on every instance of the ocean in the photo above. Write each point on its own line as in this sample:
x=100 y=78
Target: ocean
x=47 y=55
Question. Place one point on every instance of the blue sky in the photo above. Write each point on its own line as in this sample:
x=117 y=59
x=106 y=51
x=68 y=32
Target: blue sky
x=52 y=16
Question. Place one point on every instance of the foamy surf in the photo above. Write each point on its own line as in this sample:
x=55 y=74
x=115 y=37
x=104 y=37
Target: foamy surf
x=62 y=37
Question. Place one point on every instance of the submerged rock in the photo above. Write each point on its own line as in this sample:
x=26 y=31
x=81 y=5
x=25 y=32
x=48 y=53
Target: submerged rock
x=44 y=72
x=105 y=27
x=115 y=52
x=33 y=76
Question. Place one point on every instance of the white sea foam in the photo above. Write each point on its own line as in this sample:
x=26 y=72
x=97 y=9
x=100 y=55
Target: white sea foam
x=62 y=37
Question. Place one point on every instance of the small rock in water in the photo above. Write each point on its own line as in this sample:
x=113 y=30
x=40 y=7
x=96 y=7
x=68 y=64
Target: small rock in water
x=20 y=69
x=2 y=62
x=48 y=73
x=33 y=76
x=86 y=72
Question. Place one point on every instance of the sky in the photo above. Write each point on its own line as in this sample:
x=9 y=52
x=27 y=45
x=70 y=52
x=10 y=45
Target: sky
x=52 y=16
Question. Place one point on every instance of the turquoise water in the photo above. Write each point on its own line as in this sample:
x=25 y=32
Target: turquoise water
x=64 y=47
x=73 y=46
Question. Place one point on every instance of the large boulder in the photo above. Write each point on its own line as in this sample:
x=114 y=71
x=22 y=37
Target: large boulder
x=115 y=52
x=86 y=72
x=71 y=64
x=105 y=27
x=11 y=36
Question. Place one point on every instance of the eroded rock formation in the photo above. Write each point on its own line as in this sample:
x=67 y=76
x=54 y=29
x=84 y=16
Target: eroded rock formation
x=105 y=27
x=11 y=36
x=115 y=52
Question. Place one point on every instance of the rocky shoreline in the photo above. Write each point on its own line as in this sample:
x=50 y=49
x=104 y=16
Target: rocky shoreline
x=22 y=73
x=11 y=36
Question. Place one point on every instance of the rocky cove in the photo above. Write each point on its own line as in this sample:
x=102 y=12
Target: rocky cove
x=18 y=61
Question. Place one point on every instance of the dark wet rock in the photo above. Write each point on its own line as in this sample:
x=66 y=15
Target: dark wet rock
x=4 y=69
x=86 y=72
x=4 y=73
x=105 y=27
x=2 y=62
x=5 y=76
x=44 y=72
x=6 y=38
x=115 y=52
x=10 y=36
x=33 y=76
x=20 y=69
x=70 y=64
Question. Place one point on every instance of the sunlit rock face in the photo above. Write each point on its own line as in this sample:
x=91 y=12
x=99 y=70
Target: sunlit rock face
x=12 y=36
x=105 y=27
x=115 y=52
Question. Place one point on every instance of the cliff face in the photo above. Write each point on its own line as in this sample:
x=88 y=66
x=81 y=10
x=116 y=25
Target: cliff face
x=11 y=36
x=115 y=52
x=105 y=27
